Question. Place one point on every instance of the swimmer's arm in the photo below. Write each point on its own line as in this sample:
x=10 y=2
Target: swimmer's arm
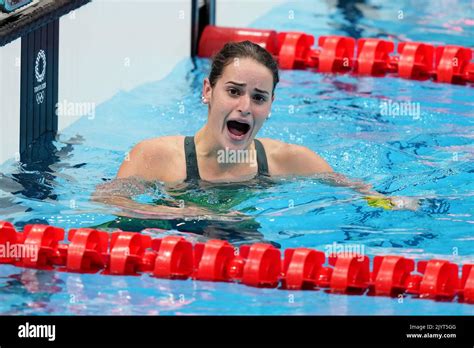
x=304 y=161
x=373 y=198
x=301 y=161
x=118 y=193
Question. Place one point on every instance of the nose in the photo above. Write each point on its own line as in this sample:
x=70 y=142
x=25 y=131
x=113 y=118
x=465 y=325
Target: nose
x=244 y=105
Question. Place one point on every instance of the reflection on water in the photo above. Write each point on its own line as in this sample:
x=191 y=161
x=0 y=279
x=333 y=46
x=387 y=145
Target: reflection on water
x=35 y=289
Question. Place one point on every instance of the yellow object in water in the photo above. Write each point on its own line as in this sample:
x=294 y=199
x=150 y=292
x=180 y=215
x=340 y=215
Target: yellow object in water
x=379 y=202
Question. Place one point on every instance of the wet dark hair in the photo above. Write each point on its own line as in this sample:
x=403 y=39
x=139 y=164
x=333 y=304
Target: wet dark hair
x=244 y=49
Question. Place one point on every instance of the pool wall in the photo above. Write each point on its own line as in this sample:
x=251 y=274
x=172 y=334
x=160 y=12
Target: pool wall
x=10 y=100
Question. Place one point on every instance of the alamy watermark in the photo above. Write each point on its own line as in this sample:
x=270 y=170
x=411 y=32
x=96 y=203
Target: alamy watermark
x=237 y=156
x=68 y=108
x=393 y=108
x=37 y=331
x=19 y=251
x=346 y=250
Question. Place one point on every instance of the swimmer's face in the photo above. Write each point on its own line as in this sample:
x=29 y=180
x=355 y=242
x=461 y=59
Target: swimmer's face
x=239 y=103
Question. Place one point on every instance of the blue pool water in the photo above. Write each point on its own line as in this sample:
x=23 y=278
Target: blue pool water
x=425 y=153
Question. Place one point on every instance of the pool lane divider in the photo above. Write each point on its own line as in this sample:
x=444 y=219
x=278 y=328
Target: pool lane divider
x=257 y=265
x=341 y=54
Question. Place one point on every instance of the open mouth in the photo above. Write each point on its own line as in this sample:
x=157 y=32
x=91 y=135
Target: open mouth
x=238 y=129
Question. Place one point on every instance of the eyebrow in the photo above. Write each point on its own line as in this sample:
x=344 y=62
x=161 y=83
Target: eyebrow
x=244 y=84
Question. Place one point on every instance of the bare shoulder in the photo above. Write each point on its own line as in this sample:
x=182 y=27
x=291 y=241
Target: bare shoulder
x=292 y=159
x=155 y=159
x=161 y=146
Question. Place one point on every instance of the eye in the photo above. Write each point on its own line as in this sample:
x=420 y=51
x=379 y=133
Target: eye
x=260 y=98
x=233 y=91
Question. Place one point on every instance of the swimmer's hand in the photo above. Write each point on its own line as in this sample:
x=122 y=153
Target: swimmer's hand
x=393 y=203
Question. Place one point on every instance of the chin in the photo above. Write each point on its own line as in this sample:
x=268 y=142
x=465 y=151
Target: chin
x=232 y=145
x=237 y=144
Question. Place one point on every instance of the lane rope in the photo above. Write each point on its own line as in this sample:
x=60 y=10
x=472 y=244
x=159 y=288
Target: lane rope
x=257 y=265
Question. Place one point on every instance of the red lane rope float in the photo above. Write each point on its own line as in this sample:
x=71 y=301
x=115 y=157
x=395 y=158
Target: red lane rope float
x=338 y=54
x=257 y=265
x=87 y=250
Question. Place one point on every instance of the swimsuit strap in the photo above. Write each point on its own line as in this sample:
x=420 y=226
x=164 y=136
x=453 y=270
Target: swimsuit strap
x=261 y=159
x=192 y=169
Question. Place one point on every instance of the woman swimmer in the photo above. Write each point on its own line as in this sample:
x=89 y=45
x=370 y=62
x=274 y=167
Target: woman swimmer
x=239 y=93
